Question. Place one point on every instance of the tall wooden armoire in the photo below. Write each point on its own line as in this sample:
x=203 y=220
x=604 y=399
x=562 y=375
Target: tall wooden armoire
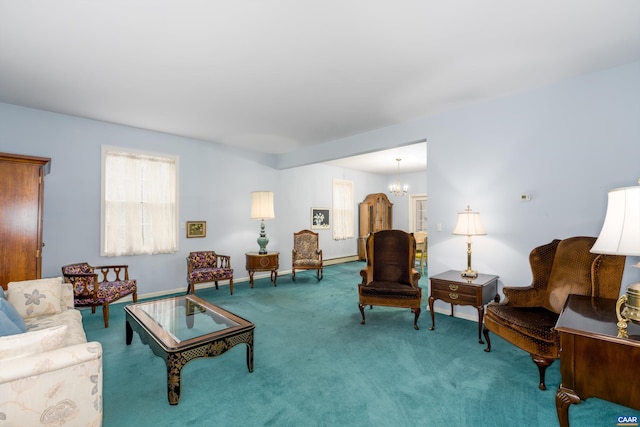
x=21 y=198
x=376 y=213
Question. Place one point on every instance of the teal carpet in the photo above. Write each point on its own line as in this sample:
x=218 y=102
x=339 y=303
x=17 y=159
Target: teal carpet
x=315 y=364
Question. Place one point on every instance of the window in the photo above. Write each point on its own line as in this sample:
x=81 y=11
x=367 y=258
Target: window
x=418 y=213
x=139 y=203
x=343 y=210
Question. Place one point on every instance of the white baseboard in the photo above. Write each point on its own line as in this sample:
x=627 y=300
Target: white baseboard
x=236 y=280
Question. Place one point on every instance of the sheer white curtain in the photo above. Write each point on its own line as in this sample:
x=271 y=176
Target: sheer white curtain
x=343 y=210
x=139 y=210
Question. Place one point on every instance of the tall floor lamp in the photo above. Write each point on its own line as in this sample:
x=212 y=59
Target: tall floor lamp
x=262 y=208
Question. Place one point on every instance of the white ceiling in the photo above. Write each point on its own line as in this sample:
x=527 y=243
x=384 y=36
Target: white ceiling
x=280 y=75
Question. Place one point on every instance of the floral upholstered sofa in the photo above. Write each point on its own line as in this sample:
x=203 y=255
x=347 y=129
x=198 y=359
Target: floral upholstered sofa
x=49 y=373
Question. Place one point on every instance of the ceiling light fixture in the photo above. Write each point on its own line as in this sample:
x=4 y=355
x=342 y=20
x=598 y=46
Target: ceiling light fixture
x=397 y=189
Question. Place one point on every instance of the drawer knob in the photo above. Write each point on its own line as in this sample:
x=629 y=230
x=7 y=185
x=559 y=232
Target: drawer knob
x=453 y=287
x=453 y=295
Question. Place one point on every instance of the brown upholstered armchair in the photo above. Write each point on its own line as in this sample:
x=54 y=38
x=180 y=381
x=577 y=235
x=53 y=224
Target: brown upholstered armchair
x=306 y=255
x=90 y=291
x=208 y=266
x=527 y=316
x=390 y=278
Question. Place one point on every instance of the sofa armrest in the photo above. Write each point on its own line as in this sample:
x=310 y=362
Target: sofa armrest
x=62 y=386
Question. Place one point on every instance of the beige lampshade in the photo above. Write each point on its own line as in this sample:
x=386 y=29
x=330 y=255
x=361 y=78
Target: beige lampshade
x=262 y=205
x=469 y=224
x=620 y=234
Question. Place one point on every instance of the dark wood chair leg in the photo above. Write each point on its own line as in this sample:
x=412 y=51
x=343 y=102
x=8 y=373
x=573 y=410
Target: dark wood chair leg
x=361 y=307
x=542 y=363
x=485 y=332
x=415 y=320
x=105 y=314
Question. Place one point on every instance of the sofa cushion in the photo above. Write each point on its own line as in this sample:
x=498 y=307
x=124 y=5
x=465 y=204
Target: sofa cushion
x=33 y=298
x=72 y=319
x=66 y=296
x=10 y=320
x=32 y=342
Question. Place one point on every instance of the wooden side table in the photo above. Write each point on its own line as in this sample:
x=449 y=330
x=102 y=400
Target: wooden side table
x=263 y=262
x=594 y=362
x=457 y=290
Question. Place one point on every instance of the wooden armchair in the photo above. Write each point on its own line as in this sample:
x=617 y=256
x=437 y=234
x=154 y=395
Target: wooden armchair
x=390 y=278
x=306 y=254
x=527 y=316
x=208 y=266
x=90 y=291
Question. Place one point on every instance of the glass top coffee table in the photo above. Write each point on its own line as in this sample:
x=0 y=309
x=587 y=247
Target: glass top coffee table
x=184 y=328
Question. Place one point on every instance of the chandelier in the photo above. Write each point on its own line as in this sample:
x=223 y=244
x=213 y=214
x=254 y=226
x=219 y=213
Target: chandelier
x=397 y=189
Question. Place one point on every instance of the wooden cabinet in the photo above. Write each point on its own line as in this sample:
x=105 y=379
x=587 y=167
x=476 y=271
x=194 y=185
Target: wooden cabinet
x=21 y=197
x=376 y=213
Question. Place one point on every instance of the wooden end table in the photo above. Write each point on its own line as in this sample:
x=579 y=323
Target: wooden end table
x=594 y=362
x=451 y=287
x=263 y=262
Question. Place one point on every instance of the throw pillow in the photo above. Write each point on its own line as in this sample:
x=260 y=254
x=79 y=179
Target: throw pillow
x=33 y=298
x=10 y=316
x=7 y=327
x=32 y=342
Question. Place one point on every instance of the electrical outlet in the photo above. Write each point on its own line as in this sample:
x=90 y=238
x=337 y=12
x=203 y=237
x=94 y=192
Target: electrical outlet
x=438 y=227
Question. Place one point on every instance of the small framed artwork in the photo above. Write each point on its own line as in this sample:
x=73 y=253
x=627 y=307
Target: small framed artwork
x=320 y=218
x=196 y=228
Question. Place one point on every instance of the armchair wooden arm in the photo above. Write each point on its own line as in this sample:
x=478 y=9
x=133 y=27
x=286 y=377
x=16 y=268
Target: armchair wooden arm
x=115 y=269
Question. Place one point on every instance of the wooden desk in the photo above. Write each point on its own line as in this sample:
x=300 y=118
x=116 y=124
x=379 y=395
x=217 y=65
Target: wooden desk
x=594 y=362
x=263 y=262
x=456 y=290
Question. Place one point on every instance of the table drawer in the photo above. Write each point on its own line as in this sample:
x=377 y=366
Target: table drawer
x=442 y=285
x=460 y=296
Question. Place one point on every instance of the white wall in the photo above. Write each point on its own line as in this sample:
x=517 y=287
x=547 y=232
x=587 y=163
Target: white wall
x=565 y=144
x=214 y=186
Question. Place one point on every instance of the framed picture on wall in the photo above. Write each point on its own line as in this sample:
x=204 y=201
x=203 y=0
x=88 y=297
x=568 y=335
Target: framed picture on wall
x=196 y=228
x=320 y=218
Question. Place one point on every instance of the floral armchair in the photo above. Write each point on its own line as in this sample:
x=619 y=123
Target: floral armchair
x=305 y=254
x=90 y=291
x=208 y=266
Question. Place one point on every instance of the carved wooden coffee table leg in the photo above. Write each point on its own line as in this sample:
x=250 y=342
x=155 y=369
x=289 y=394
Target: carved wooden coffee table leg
x=174 y=373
